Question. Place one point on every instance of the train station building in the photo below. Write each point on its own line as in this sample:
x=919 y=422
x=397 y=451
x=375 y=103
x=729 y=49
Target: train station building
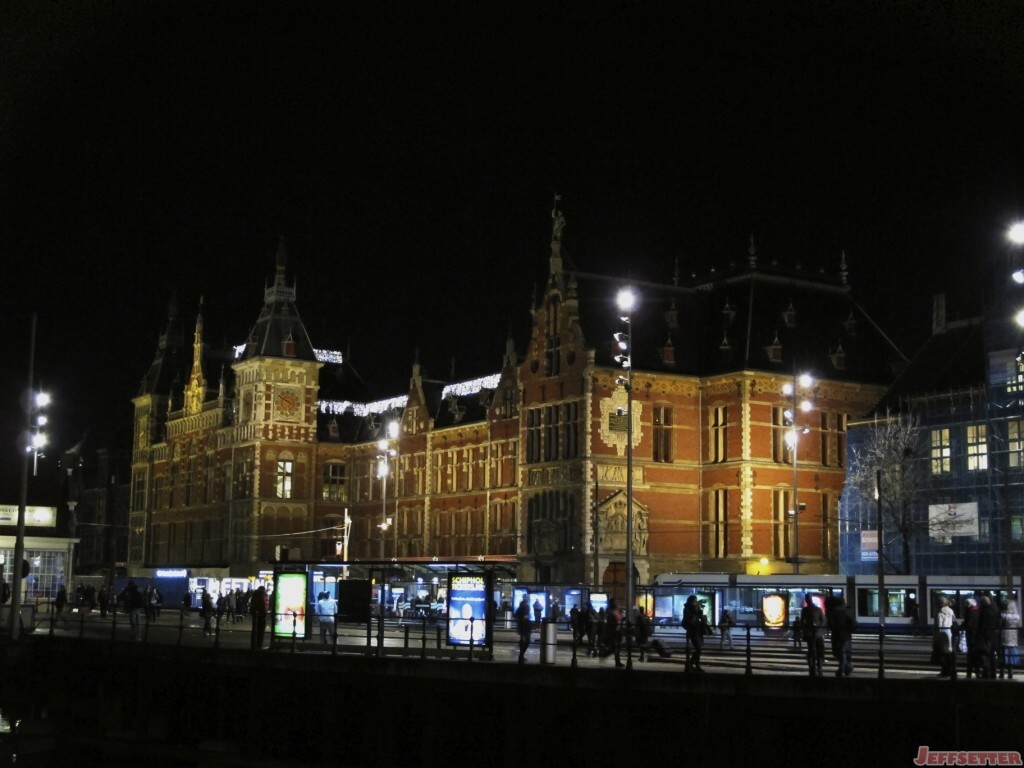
x=267 y=451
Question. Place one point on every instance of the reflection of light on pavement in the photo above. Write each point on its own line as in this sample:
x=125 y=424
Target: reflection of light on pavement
x=5 y=724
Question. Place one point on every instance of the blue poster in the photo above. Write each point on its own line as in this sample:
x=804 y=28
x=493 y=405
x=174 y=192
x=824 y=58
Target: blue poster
x=467 y=610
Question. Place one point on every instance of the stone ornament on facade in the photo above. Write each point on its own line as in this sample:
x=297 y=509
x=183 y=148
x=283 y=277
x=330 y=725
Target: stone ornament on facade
x=611 y=526
x=613 y=421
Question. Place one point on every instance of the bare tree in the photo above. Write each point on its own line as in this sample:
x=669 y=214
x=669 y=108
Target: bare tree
x=893 y=446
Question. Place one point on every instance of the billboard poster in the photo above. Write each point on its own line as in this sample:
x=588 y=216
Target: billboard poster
x=467 y=610
x=775 y=608
x=290 y=605
x=948 y=520
x=869 y=546
x=599 y=600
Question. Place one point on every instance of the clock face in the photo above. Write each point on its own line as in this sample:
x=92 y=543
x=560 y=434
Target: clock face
x=286 y=403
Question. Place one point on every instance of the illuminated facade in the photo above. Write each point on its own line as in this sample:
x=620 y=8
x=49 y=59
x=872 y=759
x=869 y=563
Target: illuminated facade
x=530 y=462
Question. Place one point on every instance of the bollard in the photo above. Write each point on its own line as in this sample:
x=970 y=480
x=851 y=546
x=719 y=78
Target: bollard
x=439 y=637
x=380 y=635
x=423 y=640
x=181 y=627
x=369 y=635
x=881 y=652
x=406 y=628
x=750 y=664
x=216 y=632
x=295 y=620
x=470 y=638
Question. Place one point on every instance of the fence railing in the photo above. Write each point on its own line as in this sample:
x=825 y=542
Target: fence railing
x=750 y=649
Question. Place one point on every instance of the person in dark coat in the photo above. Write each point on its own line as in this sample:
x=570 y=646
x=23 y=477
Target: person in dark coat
x=812 y=625
x=258 y=609
x=696 y=625
x=987 y=639
x=523 y=627
x=842 y=626
x=611 y=637
x=645 y=638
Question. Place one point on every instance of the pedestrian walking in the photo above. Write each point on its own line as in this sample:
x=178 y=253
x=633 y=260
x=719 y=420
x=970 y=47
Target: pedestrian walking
x=812 y=626
x=942 y=645
x=131 y=595
x=206 y=610
x=696 y=625
x=645 y=639
x=725 y=625
x=1009 y=629
x=326 y=611
x=258 y=610
x=842 y=625
x=59 y=603
x=523 y=627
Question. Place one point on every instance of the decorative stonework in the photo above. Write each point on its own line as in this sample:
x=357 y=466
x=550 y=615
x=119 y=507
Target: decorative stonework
x=611 y=526
x=614 y=426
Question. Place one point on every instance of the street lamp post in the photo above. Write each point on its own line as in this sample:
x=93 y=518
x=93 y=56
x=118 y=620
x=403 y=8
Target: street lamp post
x=805 y=382
x=34 y=440
x=626 y=301
x=386 y=452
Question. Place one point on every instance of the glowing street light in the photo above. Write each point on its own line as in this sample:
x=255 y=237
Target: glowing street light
x=626 y=301
x=802 y=382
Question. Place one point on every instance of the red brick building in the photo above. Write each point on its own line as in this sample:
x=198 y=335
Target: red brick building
x=530 y=462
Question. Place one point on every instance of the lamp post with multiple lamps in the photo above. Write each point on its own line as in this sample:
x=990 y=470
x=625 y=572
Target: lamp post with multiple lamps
x=626 y=301
x=386 y=452
x=1015 y=234
x=792 y=390
x=33 y=439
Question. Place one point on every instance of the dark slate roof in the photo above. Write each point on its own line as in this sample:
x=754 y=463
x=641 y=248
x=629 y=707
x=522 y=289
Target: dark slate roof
x=952 y=360
x=279 y=331
x=736 y=319
x=171 y=361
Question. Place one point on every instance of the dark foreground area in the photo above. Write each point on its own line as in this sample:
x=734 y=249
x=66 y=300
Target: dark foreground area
x=131 y=704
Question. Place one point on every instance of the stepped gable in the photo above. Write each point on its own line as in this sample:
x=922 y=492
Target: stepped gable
x=279 y=331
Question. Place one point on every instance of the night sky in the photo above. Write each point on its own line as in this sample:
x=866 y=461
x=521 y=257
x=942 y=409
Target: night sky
x=409 y=154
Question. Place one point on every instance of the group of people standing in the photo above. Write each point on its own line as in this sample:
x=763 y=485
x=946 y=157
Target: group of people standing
x=987 y=634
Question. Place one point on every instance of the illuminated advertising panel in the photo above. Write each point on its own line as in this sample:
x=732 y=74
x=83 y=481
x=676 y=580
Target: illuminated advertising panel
x=775 y=608
x=290 y=605
x=467 y=610
x=599 y=600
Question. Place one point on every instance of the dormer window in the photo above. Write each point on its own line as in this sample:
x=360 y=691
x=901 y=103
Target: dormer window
x=668 y=352
x=838 y=358
x=288 y=347
x=728 y=313
x=789 y=316
x=774 y=351
x=850 y=325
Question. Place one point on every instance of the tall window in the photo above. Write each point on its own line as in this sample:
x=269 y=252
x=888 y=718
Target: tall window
x=334 y=482
x=1014 y=443
x=570 y=443
x=779 y=434
x=977 y=447
x=826 y=435
x=552 y=413
x=533 y=435
x=662 y=433
x=720 y=522
x=841 y=439
x=553 y=356
x=139 y=492
x=283 y=480
x=719 y=442
x=780 y=513
x=940 y=451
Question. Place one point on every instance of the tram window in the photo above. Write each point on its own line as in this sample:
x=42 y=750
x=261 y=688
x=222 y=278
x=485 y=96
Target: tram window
x=899 y=602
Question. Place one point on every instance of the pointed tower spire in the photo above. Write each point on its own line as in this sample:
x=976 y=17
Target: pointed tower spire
x=843 y=270
x=752 y=257
x=195 y=390
x=557 y=225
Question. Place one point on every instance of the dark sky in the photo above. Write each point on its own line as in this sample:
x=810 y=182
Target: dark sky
x=409 y=153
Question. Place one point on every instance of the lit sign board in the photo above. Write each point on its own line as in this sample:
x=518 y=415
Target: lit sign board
x=44 y=517
x=171 y=573
x=467 y=610
x=290 y=605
